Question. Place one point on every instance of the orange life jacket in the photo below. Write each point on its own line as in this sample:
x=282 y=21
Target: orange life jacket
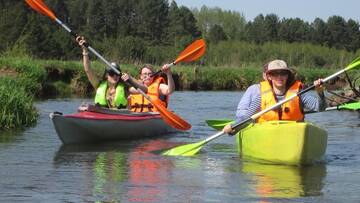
x=291 y=110
x=138 y=103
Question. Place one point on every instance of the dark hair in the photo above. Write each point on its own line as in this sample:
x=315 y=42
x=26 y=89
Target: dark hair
x=110 y=70
x=291 y=79
x=265 y=67
x=114 y=65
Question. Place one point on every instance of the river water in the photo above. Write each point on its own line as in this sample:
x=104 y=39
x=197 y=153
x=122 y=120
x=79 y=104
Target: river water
x=36 y=167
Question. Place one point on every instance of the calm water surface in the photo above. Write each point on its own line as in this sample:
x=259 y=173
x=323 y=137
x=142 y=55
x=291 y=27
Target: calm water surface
x=36 y=167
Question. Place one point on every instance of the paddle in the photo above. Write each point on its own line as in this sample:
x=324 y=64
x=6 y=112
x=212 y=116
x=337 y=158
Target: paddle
x=169 y=117
x=354 y=106
x=219 y=124
x=192 y=52
x=191 y=149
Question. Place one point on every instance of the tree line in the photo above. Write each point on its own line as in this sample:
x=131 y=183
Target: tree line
x=154 y=31
x=336 y=32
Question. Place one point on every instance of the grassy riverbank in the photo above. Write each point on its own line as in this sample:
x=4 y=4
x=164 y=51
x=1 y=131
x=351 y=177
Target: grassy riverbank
x=23 y=79
x=53 y=78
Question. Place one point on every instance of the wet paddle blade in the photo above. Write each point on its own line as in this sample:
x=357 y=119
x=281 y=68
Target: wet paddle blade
x=219 y=124
x=170 y=117
x=191 y=149
x=40 y=7
x=350 y=106
x=192 y=52
x=185 y=150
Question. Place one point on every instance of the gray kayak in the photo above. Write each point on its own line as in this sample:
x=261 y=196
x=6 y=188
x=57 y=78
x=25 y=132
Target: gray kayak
x=100 y=125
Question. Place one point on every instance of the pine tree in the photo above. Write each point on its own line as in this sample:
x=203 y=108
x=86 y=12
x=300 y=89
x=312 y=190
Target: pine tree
x=152 y=20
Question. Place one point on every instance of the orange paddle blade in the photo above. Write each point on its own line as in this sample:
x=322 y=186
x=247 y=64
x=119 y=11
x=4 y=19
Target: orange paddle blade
x=40 y=6
x=170 y=117
x=192 y=52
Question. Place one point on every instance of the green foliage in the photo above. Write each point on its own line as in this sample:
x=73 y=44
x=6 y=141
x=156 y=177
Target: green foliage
x=182 y=25
x=309 y=75
x=30 y=74
x=18 y=49
x=127 y=49
x=216 y=78
x=152 y=20
x=230 y=53
x=233 y=23
x=140 y=27
x=294 y=30
x=62 y=89
x=159 y=54
x=16 y=105
x=216 y=34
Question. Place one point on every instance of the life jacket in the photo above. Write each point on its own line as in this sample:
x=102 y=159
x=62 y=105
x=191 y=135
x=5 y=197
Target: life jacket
x=291 y=110
x=120 y=100
x=138 y=103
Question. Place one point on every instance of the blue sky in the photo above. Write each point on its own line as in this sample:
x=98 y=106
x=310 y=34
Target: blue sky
x=307 y=10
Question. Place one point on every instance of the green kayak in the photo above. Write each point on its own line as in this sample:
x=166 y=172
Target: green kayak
x=280 y=142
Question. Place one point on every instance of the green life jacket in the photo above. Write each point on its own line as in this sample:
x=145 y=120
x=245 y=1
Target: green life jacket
x=120 y=100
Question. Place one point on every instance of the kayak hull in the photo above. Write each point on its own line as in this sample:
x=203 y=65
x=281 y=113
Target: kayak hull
x=87 y=127
x=283 y=142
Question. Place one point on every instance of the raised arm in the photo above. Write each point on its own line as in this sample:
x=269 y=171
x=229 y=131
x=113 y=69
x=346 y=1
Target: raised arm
x=86 y=63
x=167 y=89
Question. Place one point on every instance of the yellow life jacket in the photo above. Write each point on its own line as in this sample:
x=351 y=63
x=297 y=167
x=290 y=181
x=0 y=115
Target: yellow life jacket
x=120 y=100
x=138 y=103
x=291 y=110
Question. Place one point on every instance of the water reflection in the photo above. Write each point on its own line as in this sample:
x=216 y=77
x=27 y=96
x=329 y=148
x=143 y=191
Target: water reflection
x=148 y=173
x=101 y=169
x=281 y=181
x=7 y=136
x=121 y=172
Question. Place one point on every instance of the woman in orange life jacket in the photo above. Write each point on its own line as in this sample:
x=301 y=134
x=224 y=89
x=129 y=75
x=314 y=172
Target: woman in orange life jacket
x=279 y=83
x=158 y=88
x=111 y=91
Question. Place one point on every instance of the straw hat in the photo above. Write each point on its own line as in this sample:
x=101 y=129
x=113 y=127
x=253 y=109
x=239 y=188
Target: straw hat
x=277 y=65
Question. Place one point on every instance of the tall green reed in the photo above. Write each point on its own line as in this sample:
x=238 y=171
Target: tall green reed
x=16 y=109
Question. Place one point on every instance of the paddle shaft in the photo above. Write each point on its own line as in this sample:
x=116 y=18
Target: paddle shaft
x=347 y=106
x=339 y=107
x=159 y=71
x=88 y=46
x=101 y=57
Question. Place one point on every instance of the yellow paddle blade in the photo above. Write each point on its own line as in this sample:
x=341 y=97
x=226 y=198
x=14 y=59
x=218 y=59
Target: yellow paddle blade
x=184 y=150
x=40 y=7
x=192 y=52
x=219 y=124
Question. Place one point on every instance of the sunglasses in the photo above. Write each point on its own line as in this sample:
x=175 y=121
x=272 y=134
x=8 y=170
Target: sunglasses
x=279 y=73
x=146 y=73
x=112 y=73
